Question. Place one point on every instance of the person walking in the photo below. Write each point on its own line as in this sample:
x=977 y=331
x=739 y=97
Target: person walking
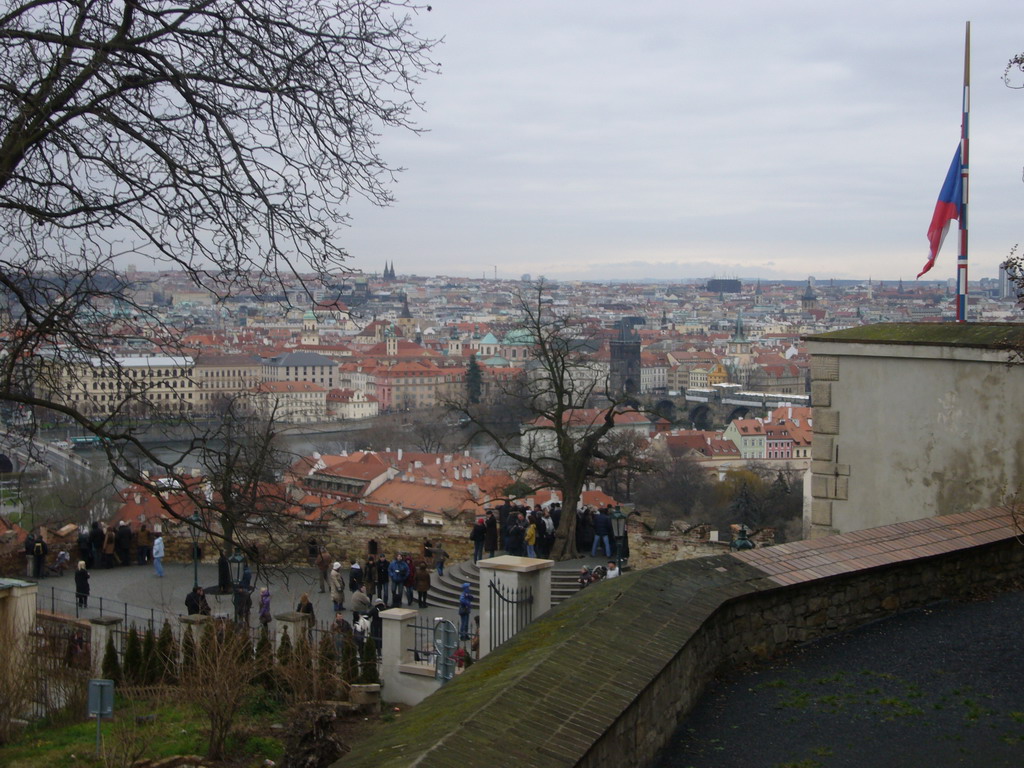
x=158 y=553
x=440 y=557
x=82 y=585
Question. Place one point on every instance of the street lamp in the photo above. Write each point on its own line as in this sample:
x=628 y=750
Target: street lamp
x=619 y=529
x=237 y=561
x=194 y=521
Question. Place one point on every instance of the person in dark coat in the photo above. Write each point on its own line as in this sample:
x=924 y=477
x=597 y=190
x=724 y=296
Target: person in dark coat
x=123 y=543
x=422 y=580
x=410 y=579
x=602 y=533
x=382 y=576
x=195 y=602
x=490 y=533
x=355 y=576
x=84 y=547
x=96 y=543
x=82 y=585
x=242 y=601
x=109 y=548
x=477 y=536
x=39 y=552
x=516 y=535
x=377 y=623
x=223 y=574
x=306 y=607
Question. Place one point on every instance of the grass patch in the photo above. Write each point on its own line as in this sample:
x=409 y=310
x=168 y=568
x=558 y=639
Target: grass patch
x=145 y=728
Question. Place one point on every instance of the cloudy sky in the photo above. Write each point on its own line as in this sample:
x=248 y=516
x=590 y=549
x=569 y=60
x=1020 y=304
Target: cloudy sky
x=591 y=139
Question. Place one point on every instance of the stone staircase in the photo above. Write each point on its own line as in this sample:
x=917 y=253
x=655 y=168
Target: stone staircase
x=445 y=590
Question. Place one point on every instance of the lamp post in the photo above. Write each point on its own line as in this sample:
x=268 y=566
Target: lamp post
x=619 y=529
x=237 y=561
x=194 y=521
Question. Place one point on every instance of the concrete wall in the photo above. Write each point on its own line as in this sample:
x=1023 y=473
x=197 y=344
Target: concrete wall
x=906 y=429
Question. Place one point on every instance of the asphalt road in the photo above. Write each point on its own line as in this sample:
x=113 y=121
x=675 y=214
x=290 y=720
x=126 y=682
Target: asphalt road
x=941 y=687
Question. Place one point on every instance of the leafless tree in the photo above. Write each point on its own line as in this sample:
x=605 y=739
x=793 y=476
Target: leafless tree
x=558 y=449
x=220 y=138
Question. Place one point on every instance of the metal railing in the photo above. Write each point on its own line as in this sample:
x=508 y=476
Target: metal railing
x=512 y=610
x=65 y=602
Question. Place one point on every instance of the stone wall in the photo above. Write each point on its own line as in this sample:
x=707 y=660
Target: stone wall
x=612 y=671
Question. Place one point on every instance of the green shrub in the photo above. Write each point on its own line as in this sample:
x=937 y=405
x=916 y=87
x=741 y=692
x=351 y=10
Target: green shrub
x=368 y=672
x=149 y=670
x=111 y=666
x=132 y=665
x=167 y=655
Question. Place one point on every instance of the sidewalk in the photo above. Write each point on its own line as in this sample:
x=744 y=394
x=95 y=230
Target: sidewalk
x=139 y=587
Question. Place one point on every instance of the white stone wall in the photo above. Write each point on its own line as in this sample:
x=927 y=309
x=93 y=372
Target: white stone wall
x=904 y=431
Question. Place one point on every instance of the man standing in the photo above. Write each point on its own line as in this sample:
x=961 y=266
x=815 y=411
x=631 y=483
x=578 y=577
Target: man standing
x=145 y=544
x=355 y=576
x=336 y=583
x=360 y=603
x=546 y=534
x=477 y=536
x=382 y=577
x=516 y=534
x=397 y=573
x=410 y=579
x=158 y=554
x=602 y=532
x=490 y=533
x=323 y=565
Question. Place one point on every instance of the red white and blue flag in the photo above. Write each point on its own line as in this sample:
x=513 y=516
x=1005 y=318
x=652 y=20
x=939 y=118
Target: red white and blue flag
x=947 y=208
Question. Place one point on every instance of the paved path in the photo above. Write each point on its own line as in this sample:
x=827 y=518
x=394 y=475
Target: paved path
x=941 y=687
x=138 y=586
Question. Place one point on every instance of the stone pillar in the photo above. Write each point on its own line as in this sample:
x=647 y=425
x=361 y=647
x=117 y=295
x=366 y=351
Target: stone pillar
x=296 y=623
x=510 y=574
x=404 y=679
x=102 y=628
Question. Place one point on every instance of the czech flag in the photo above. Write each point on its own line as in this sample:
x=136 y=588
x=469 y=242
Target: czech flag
x=947 y=208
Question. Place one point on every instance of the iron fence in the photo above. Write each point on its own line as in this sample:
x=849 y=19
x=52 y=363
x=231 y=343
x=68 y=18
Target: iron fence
x=65 y=602
x=511 y=611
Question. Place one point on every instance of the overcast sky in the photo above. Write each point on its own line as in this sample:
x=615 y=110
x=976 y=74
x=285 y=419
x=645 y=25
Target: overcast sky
x=591 y=139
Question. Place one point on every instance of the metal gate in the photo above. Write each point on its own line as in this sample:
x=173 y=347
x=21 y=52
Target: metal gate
x=446 y=642
x=511 y=611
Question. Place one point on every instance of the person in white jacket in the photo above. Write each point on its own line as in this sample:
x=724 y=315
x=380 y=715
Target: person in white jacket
x=158 y=554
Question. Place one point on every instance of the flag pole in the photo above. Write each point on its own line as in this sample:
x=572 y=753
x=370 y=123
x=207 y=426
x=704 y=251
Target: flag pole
x=961 y=262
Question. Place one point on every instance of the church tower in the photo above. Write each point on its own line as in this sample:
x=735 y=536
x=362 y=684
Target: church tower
x=310 y=330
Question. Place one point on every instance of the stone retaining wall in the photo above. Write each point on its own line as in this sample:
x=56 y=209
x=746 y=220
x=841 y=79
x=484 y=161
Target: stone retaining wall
x=611 y=672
